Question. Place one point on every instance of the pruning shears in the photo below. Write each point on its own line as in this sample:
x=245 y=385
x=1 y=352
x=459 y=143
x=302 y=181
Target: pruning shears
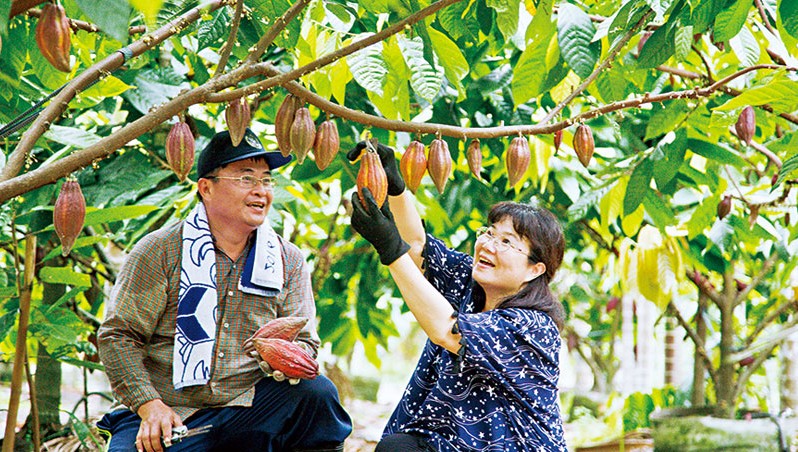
x=183 y=432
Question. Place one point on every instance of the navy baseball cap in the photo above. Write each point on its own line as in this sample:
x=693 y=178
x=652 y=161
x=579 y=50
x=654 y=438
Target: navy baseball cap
x=220 y=151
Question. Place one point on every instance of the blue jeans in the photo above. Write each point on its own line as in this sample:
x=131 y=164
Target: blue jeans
x=282 y=417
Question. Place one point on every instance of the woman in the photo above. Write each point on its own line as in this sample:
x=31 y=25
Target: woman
x=487 y=379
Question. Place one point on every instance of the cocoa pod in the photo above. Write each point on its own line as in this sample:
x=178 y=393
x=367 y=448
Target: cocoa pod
x=583 y=144
x=68 y=214
x=53 y=36
x=724 y=207
x=286 y=328
x=283 y=121
x=439 y=163
x=517 y=159
x=180 y=149
x=474 y=157
x=326 y=144
x=303 y=133
x=746 y=124
x=557 y=140
x=372 y=175
x=238 y=117
x=413 y=165
x=287 y=357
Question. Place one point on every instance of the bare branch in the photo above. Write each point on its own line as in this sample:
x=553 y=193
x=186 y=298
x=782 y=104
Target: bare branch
x=278 y=26
x=231 y=39
x=769 y=319
x=763 y=272
x=700 y=349
x=763 y=14
x=705 y=286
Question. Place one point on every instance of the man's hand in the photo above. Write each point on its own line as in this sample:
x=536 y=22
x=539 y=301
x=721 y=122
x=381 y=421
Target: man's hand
x=157 y=420
x=378 y=227
x=276 y=374
x=396 y=185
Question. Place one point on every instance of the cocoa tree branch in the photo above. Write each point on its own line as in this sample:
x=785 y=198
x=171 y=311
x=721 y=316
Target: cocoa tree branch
x=700 y=349
x=757 y=279
x=76 y=24
x=332 y=56
x=761 y=357
x=603 y=65
x=110 y=63
x=763 y=14
x=788 y=116
x=773 y=158
x=705 y=62
x=705 y=287
x=768 y=320
x=231 y=39
x=278 y=26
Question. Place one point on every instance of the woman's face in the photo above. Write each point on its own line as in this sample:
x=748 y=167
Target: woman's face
x=501 y=263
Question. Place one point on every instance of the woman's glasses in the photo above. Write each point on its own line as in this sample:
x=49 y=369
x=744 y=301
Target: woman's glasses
x=502 y=244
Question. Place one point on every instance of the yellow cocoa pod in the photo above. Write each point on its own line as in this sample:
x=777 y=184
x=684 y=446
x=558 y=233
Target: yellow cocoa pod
x=413 y=165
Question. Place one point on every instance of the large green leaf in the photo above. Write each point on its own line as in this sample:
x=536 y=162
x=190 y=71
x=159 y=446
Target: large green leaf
x=12 y=57
x=638 y=185
x=575 y=32
x=715 y=152
x=212 y=31
x=5 y=10
x=153 y=87
x=658 y=48
x=111 y=214
x=506 y=15
x=64 y=275
x=529 y=73
x=730 y=20
x=273 y=9
x=459 y=20
x=424 y=79
x=666 y=118
x=668 y=158
x=788 y=13
x=683 y=40
x=451 y=58
x=787 y=144
x=780 y=93
x=71 y=136
x=368 y=67
x=661 y=214
x=112 y=16
x=746 y=47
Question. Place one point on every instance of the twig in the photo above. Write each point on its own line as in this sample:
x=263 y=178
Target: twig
x=603 y=65
x=278 y=26
x=705 y=286
x=768 y=320
x=76 y=24
x=734 y=183
x=763 y=272
x=231 y=39
x=704 y=60
x=699 y=342
x=763 y=14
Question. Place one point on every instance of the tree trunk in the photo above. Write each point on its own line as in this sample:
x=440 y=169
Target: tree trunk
x=789 y=374
x=725 y=386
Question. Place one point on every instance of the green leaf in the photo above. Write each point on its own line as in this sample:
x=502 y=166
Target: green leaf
x=154 y=87
x=451 y=58
x=5 y=10
x=79 y=243
x=629 y=14
x=683 y=41
x=424 y=79
x=575 y=32
x=111 y=214
x=787 y=143
x=781 y=94
x=274 y=9
x=730 y=20
x=703 y=216
x=64 y=275
x=368 y=67
x=110 y=86
x=459 y=20
x=658 y=48
x=715 y=152
x=211 y=31
x=746 y=47
x=506 y=15
x=638 y=185
x=529 y=73
x=666 y=167
x=112 y=16
x=788 y=13
x=49 y=76
x=660 y=213
x=71 y=136
x=150 y=8
x=613 y=84
x=666 y=118
x=13 y=56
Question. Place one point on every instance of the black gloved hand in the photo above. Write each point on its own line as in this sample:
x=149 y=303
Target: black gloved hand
x=396 y=185
x=378 y=227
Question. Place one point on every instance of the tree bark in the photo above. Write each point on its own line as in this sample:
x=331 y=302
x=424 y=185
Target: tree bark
x=698 y=397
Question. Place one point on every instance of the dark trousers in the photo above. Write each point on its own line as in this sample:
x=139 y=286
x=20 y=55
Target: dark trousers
x=283 y=417
x=404 y=442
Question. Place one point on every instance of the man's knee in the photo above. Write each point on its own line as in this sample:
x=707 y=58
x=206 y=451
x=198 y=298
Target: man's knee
x=320 y=389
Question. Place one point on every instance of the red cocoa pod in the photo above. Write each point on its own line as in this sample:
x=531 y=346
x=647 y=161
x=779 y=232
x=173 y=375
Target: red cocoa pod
x=557 y=140
x=238 y=117
x=413 y=165
x=746 y=124
x=326 y=144
x=474 y=157
x=180 y=149
x=287 y=357
x=286 y=328
x=583 y=144
x=283 y=121
x=68 y=214
x=303 y=134
x=53 y=36
x=372 y=175
x=439 y=163
x=724 y=207
x=517 y=159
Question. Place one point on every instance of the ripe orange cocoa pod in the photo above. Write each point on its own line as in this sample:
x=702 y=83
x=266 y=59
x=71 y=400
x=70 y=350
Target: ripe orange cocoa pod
x=303 y=134
x=517 y=159
x=53 y=36
x=326 y=144
x=287 y=357
x=372 y=175
x=746 y=124
x=474 y=157
x=439 y=163
x=583 y=144
x=180 y=149
x=413 y=165
x=283 y=121
x=69 y=214
x=557 y=140
x=286 y=328
x=238 y=117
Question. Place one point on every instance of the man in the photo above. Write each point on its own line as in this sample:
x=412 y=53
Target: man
x=188 y=297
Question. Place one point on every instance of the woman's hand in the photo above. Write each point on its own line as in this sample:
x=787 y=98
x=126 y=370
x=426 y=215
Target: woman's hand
x=378 y=227
x=396 y=185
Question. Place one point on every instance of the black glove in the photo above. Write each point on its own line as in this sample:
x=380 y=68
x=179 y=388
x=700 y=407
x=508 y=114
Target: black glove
x=378 y=227
x=396 y=185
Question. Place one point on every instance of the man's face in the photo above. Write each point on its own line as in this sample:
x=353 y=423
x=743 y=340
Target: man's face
x=232 y=205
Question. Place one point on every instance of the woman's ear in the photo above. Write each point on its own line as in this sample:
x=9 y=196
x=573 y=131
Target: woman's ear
x=535 y=271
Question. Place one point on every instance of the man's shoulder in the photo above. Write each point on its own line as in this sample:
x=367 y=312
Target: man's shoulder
x=161 y=238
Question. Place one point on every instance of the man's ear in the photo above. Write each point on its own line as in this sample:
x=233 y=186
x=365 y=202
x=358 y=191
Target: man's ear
x=203 y=186
x=535 y=271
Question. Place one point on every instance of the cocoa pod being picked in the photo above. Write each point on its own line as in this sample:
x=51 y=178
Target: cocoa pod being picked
x=746 y=124
x=69 y=214
x=53 y=36
x=372 y=176
x=287 y=357
x=283 y=121
x=439 y=163
x=286 y=328
x=474 y=157
x=413 y=165
x=583 y=144
x=326 y=144
x=303 y=133
x=180 y=149
x=238 y=117
x=518 y=157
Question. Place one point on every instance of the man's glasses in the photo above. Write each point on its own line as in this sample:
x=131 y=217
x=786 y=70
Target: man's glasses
x=485 y=234
x=249 y=182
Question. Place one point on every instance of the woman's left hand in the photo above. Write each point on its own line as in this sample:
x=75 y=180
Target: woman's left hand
x=378 y=227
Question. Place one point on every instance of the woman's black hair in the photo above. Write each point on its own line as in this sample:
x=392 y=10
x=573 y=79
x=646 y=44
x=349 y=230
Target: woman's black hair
x=547 y=245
